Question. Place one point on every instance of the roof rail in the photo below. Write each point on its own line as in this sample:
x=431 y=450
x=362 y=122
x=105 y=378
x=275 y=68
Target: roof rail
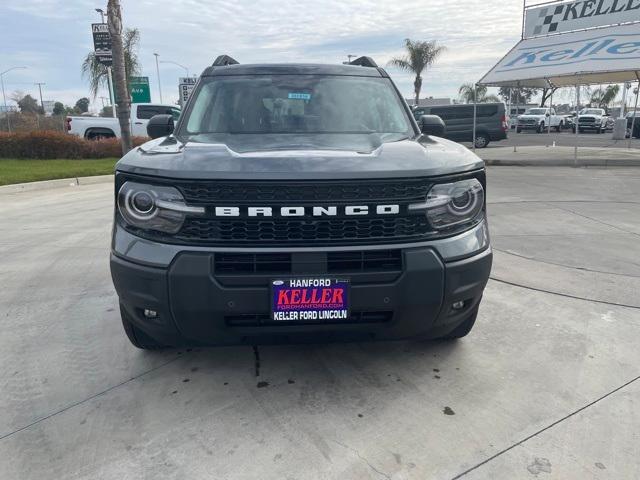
x=364 y=62
x=223 y=60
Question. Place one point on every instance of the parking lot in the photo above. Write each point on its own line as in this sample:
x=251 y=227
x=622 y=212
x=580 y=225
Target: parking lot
x=546 y=386
x=564 y=138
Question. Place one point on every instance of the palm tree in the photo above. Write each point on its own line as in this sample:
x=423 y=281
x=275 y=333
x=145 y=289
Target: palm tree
x=604 y=97
x=96 y=73
x=466 y=92
x=420 y=55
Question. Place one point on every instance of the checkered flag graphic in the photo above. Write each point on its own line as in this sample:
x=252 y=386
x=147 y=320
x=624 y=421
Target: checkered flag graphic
x=548 y=20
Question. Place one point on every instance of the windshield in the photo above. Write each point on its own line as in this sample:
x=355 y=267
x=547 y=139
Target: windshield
x=296 y=104
x=592 y=111
x=536 y=111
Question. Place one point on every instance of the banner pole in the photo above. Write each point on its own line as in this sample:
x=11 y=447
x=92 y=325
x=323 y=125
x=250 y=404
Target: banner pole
x=475 y=109
x=635 y=113
x=577 y=126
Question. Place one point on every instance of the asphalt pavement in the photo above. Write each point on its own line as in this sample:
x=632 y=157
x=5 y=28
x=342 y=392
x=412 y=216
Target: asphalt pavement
x=565 y=138
x=545 y=386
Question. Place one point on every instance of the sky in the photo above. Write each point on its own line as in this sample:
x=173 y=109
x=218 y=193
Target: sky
x=51 y=38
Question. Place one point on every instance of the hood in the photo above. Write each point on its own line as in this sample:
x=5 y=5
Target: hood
x=424 y=156
x=534 y=117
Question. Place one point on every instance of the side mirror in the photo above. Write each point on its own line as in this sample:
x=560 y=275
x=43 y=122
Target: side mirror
x=547 y=114
x=160 y=126
x=432 y=125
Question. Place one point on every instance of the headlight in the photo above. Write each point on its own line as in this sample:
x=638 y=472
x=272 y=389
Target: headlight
x=153 y=207
x=451 y=204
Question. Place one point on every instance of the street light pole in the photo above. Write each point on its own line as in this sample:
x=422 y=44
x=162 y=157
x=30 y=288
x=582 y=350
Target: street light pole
x=4 y=97
x=158 y=73
x=101 y=12
x=176 y=63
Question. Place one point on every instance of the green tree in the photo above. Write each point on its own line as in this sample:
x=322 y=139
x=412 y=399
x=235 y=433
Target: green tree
x=519 y=96
x=96 y=73
x=28 y=104
x=420 y=56
x=466 y=92
x=58 y=108
x=82 y=105
x=604 y=96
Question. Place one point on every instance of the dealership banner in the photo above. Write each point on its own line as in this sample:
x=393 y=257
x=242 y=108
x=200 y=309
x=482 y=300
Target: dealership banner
x=577 y=57
x=578 y=15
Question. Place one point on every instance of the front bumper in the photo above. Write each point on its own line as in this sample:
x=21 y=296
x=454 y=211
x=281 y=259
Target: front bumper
x=196 y=304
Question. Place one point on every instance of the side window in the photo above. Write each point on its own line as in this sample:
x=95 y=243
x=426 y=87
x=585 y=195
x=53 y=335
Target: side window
x=145 y=112
x=486 y=110
x=444 y=113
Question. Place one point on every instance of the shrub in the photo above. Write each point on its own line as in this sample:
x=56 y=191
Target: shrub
x=48 y=144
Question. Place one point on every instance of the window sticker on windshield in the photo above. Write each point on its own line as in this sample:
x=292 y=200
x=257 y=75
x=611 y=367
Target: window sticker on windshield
x=300 y=96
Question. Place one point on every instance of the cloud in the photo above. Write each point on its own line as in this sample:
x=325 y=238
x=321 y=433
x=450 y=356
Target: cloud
x=53 y=36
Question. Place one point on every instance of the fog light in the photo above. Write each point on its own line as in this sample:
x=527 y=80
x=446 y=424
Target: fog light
x=458 y=305
x=150 y=313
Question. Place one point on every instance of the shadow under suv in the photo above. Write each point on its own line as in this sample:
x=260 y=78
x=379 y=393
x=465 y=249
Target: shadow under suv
x=296 y=203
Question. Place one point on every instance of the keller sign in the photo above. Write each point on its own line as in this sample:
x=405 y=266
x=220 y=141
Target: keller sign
x=185 y=87
x=577 y=15
x=102 y=43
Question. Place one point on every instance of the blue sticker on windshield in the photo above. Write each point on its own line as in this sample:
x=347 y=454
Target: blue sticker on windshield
x=300 y=96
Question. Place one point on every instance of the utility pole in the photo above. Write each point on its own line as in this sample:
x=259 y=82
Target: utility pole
x=158 y=73
x=40 y=84
x=114 y=14
x=4 y=97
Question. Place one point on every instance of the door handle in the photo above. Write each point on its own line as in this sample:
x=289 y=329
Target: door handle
x=138 y=123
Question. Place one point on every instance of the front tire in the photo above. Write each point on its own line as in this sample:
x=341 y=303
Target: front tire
x=137 y=337
x=541 y=127
x=559 y=127
x=465 y=327
x=482 y=140
x=518 y=130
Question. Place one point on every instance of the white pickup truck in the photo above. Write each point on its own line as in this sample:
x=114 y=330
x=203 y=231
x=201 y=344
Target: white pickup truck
x=594 y=119
x=539 y=119
x=95 y=128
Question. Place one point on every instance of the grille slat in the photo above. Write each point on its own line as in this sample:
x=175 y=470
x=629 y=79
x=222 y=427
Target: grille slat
x=303 y=231
x=317 y=191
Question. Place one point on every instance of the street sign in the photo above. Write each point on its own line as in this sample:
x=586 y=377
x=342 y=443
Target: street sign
x=185 y=87
x=102 y=43
x=139 y=90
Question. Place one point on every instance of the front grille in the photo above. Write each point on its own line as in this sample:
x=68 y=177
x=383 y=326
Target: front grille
x=281 y=263
x=263 y=319
x=528 y=121
x=317 y=191
x=587 y=120
x=302 y=231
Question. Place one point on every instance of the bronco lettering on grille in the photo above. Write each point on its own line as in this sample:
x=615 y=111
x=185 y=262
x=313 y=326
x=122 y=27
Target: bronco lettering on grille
x=315 y=211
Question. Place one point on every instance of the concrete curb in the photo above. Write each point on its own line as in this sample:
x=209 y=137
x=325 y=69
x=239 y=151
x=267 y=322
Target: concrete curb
x=58 y=183
x=558 y=162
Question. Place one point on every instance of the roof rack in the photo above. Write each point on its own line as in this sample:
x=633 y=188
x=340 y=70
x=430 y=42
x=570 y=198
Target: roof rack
x=364 y=62
x=223 y=60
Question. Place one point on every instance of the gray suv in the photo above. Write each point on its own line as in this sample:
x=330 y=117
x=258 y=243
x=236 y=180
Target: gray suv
x=295 y=203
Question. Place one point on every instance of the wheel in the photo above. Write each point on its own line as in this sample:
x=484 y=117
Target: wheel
x=541 y=127
x=580 y=130
x=482 y=140
x=559 y=127
x=136 y=336
x=465 y=327
x=573 y=129
x=518 y=130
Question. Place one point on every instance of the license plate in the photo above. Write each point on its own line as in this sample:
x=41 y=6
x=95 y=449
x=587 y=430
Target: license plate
x=314 y=299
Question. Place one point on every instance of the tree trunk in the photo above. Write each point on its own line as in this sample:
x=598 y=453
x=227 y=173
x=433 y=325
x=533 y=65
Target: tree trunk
x=120 y=82
x=417 y=86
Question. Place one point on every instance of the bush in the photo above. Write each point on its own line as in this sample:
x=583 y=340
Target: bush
x=48 y=144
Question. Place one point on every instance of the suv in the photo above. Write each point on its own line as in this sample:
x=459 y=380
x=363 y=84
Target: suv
x=491 y=122
x=296 y=203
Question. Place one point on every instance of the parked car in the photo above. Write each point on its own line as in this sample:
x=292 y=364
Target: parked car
x=594 y=119
x=539 y=119
x=95 y=128
x=297 y=203
x=491 y=122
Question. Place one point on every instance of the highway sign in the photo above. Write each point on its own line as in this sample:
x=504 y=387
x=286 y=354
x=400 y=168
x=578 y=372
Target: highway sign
x=139 y=90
